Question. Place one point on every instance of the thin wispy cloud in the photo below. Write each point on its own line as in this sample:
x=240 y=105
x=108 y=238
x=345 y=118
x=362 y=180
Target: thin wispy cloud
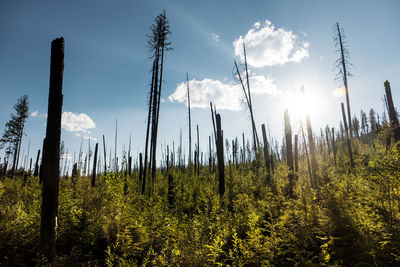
x=215 y=37
x=85 y=136
x=66 y=156
x=37 y=114
x=225 y=95
x=77 y=123
x=267 y=46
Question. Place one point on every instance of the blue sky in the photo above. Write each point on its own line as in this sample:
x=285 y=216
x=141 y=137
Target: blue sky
x=107 y=64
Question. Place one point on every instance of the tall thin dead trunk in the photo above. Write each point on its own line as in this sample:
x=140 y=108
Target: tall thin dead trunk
x=95 y=165
x=394 y=120
x=344 y=71
x=148 y=130
x=348 y=140
x=334 y=148
x=296 y=153
x=50 y=169
x=190 y=122
x=307 y=156
x=220 y=155
x=140 y=168
x=36 y=172
x=250 y=107
x=289 y=152
x=198 y=150
x=105 y=157
x=266 y=153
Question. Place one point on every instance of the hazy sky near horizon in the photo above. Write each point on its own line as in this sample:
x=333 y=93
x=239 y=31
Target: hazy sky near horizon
x=106 y=74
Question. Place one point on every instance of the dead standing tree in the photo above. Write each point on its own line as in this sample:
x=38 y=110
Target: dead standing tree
x=311 y=145
x=158 y=44
x=190 y=122
x=220 y=155
x=50 y=169
x=394 y=120
x=347 y=138
x=342 y=64
x=289 y=152
x=247 y=96
x=95 y=165
x=266 y=154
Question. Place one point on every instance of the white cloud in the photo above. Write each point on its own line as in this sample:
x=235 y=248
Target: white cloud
x=215 y=37
x=85 y=136
x=77 y=122
x=35 y=113
x=66 y=156
x=225 y=95
x=267 y=46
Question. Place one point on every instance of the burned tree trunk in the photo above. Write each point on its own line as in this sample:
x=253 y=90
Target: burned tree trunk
x=130 y=166
x=327 y=134
x=210 y=155
x=348 y=140
x=190 y=123
x=36 y=172
x=50 y=169
x=105 y=153
x=296 y=153
x=334 y=149
x=341 y=64
x=148 y=132
x=198 y=151
x=306 y=152
x=94 y=165
x=140 y=167
x=266 y=154
x=289 y=152
x=248 y=101
x=220 y=156
x=394 y=120
x=311 y=144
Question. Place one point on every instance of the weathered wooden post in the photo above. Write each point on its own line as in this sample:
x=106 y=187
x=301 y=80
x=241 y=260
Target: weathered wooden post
x=50 y=169
x=95 y=165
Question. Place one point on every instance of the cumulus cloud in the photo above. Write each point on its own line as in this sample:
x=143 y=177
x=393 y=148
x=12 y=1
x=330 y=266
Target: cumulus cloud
x=77 y=123
x=267 y=46
x=225 y=95
x=215 y=37
x=35 y=113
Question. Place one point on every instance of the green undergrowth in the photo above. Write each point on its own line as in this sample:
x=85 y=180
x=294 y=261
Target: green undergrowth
x=352 y=219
